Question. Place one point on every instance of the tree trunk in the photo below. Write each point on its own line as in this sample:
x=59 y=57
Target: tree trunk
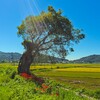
x=25 y=62
x=24 y=66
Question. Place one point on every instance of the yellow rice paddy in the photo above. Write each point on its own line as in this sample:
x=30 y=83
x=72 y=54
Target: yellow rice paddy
x=80 y=69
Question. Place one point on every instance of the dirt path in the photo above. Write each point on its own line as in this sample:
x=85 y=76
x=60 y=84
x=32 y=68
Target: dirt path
x=80 y=94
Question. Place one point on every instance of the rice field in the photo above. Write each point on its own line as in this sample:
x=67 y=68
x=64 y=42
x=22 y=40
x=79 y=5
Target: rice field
x=77 y=77
x=60 y=65
x=80 y=69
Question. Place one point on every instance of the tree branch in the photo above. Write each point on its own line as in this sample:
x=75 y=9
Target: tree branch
x=44 y=39
x=44 y=43
x=45 y=48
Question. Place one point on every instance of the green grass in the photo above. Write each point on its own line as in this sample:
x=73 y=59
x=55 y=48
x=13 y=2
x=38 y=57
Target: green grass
x=89 y=81
x=85 y=81
x=18 y=88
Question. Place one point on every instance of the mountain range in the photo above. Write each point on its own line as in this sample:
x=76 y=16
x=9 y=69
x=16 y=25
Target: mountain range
x=9 y=56
x=88 y=59
x=14 y=57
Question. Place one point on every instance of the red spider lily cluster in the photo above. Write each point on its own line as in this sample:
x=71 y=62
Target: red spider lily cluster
x=57 y=94
x=33 y=77
x=43 y=88
x=27 y=76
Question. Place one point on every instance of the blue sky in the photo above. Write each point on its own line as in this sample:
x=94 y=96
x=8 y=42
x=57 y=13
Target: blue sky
x=84 y=14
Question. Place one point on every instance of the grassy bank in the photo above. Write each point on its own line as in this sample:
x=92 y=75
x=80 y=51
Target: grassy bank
x=18 y=88
x=78 y=79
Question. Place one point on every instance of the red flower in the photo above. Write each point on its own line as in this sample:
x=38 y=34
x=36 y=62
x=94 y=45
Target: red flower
x=25 y=75
x=44 y=86
x=57 y=94
x=33 y=77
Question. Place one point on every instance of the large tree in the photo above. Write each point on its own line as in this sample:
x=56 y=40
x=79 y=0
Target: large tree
x=49 y=33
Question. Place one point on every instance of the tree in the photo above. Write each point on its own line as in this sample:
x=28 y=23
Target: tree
x=49 y=33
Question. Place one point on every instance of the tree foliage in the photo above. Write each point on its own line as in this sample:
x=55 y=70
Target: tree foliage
x=49 y=33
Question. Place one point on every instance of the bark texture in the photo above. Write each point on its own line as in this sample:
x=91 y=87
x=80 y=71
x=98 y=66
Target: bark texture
x=25 y=62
